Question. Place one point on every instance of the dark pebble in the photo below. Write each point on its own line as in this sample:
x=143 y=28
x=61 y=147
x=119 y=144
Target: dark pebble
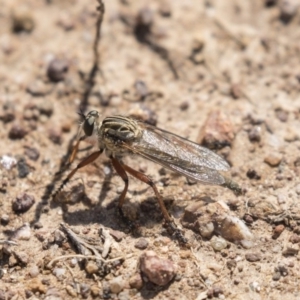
x=4 y=219
x=85 y=290
x=22 y=203
x=57 y=69
x=295 y=239
x=276 y=276
x=23 y=168
x=55 y=136
x=252 y=174
x=141 y=244
x=254 y=134
x=17 y=132
x=32 y=153
x=253 y=257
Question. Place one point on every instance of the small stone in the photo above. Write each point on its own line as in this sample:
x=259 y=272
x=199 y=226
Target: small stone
x=8 y=162
x=22 y=19
x=254 y=134
x=85 y=290
x=141 y=244
x=91 y=267
x=34 y=271
x=158 y=270
x=117 y=235
x=17 y=132
x=71 y=291
x=184 y=105
x=4 y=219
x=95 y=291
x=277 y=231
x=282 y=269
x=291 y=250
x=276 y=276
x=117 y=284
x=22 y=233
x=282 y=115
x=125 y=295
x=55 y=136
x=252 y=174
x=253 y=257
x=59 y=273
x=37 y=88
x=59 y=237
x=36 y=285
x=57 y=69
x=206 y=229
x=22 y=257
x=273 y=159
x=23 y=168
x=297 y=189
x=217 y=132
x=294 y=239
x=136 y=281
x=32 y=153
x=45 y=107
x=23 y=203
x=288 y=9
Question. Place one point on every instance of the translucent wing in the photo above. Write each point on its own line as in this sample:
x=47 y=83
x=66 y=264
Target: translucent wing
x=180 y=155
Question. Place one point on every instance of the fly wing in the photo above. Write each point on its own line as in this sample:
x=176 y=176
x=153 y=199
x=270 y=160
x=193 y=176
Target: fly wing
x=180 y=155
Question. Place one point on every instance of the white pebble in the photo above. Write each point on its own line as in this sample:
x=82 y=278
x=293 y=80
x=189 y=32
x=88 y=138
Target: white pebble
x=8 y=162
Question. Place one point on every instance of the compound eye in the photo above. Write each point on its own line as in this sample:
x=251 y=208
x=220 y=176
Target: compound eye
x=88 y=126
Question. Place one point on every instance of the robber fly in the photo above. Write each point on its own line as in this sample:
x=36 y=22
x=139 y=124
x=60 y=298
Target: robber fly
x=119 y=136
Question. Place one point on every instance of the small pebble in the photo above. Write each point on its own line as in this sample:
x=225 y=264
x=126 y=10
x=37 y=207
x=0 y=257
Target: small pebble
x=71 y=291
x=273 y=159
x=23 y=168
x=288 y=9
x=158 y=270
x=36 y=286
x=253 y=257
x=277 y=231
x=22 y=19
x=8 y=162
x=95 y=291
x=136 y=281
x=23 y=203
x=57 y=69
x=22 y=258
x=294 y=238
x=45 y=107
x=276 y=276
x=217 y=132
x=32 y=153
x=252 y=174
x=117 y=235
x=91 y=267
x=17 y=132
x=4 y=219
x=22 y=233
x=34 y=271
x=254 y=134
x=141 y=244
x=55 y=136
x=59 y=273
x=291 y=250
x=85 y=290
x=117 y=285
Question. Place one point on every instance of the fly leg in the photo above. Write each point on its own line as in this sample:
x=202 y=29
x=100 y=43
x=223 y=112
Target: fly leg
x=146 y=179
x=122 y=173
x=86 y=161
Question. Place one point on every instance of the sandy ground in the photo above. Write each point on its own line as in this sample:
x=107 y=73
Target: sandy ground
x=175 y=64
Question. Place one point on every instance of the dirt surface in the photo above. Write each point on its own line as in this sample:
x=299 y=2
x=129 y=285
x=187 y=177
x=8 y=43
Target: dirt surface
x=191 y=67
